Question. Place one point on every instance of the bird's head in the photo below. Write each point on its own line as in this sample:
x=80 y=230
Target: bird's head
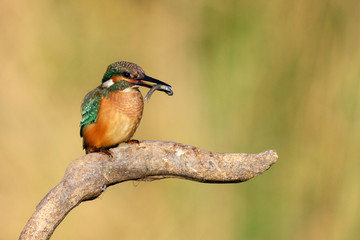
x=129 y=72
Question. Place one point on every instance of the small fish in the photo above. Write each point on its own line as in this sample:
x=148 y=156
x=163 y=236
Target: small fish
x=159 y=87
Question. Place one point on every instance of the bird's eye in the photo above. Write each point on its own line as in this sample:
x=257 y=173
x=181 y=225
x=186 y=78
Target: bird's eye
x=126 y=74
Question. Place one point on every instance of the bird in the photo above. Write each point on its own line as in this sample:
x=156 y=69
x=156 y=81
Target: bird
x=111 y=113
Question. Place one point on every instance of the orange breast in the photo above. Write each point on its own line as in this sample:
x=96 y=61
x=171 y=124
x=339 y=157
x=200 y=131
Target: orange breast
x=118 y=118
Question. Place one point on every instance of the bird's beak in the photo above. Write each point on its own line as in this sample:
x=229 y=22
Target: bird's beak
x=143 y=81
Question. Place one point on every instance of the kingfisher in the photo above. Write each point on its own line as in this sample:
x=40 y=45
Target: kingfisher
x=112 y=112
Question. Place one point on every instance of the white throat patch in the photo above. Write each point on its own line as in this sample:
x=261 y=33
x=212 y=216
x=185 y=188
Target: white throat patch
x=108 y=83
x=130 y=88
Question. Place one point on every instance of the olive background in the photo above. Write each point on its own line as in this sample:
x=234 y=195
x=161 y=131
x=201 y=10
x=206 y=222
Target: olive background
x=247 y=76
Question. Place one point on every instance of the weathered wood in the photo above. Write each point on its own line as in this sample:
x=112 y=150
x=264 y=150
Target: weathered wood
x=88 y=176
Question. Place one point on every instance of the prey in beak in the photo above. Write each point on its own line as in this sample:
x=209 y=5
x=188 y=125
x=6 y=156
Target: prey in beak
x=159 y=85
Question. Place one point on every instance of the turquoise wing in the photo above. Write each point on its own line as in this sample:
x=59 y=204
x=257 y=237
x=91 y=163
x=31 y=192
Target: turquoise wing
x=90 y=107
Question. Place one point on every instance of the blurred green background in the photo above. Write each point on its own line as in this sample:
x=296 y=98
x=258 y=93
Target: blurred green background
x=247 y=76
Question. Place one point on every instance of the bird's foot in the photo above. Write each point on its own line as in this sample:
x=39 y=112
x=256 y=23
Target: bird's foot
x=106 y=151
x=133 y=141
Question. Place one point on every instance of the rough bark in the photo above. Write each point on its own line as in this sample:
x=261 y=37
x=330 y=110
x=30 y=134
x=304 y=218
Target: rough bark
x=88 y=176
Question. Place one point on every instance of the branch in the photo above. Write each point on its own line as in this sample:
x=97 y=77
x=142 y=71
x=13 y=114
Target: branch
x=88 y=176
